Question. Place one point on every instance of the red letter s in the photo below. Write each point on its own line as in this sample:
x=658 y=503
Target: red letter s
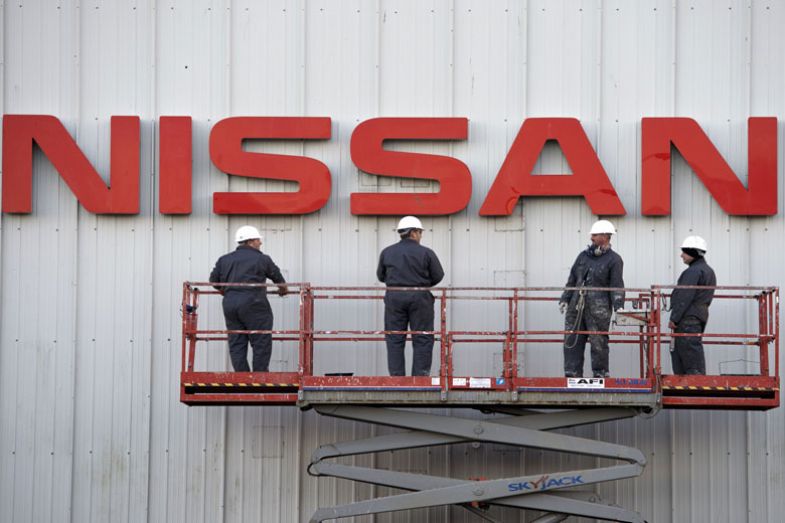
x=369 y=155
x=226 y=152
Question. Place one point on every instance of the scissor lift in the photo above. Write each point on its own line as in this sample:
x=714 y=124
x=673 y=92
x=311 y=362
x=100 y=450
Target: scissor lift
x=508 y=399
x=523 y=429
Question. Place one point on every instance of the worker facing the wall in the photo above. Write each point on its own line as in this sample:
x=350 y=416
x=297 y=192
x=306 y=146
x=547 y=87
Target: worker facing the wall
x=690 y=308
x=409 y=264
x=247 y=308
x=590 y=310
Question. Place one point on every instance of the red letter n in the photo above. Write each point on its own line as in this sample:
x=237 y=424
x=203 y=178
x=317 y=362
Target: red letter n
x=658 y=134
x=515 y=178
x=21 y=131
x=226 y=152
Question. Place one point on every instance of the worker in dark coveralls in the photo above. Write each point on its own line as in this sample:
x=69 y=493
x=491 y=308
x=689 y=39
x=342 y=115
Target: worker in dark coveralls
x=247 y=308
x=409 y=264
x=596 y=266
x=690 y=308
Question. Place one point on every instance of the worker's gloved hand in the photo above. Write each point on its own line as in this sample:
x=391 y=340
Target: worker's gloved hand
x=283 y=290
x=562 y=307
x=616 y=311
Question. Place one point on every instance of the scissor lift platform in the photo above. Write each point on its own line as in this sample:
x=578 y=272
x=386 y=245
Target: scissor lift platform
x=650 y=389
x=272 y=388
x=720 y=392
x=239 y=388
x=506 y=400
x=286 y=388
x=428 y=392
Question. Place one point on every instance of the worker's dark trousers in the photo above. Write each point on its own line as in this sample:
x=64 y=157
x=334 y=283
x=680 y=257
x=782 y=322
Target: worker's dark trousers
x=248 y=311
x=596 y=317
x=401 y=310
x=687 y=356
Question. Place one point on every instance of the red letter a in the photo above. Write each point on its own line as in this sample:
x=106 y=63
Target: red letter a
x=515 y=178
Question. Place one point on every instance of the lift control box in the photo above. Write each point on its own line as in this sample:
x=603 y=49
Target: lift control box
x=632 y=317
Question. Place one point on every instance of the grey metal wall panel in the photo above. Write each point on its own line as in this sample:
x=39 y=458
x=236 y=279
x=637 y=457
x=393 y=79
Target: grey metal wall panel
x=91 y=428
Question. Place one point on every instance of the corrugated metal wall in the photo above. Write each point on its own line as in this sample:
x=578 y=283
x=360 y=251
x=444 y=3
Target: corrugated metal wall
x=90 y=424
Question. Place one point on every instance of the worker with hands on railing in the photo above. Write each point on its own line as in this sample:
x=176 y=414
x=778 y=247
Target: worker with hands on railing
x=690 y=308
x=586 y=310
x=247 y=308
x=409 y=264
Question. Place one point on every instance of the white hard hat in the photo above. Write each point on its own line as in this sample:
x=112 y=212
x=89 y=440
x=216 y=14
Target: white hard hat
x=247 y=232
x=694 y=242
x=602 y=227
x=409 y=222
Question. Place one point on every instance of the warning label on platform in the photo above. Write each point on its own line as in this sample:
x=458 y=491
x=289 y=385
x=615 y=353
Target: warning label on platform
x=480 y=383
x=585 y=383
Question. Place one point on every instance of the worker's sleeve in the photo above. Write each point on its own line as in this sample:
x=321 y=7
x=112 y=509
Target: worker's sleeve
x=215 y=276
x=273 y=272
x=617 y=280
x=571 y=281
x=435 y=268
x=681 y=299
x=381 y=273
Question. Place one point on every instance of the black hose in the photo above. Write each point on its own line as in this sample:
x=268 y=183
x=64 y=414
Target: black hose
x=579 y=308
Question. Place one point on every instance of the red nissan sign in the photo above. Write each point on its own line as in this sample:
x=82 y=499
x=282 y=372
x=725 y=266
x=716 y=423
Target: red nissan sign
x=514 y=180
